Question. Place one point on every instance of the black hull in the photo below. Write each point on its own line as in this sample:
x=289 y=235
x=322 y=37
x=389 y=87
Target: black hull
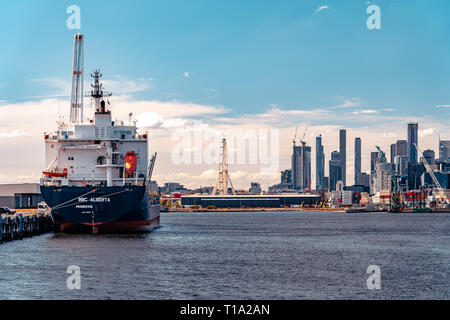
x=101 y=209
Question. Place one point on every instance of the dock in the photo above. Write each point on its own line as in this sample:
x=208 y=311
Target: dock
x=24 y=224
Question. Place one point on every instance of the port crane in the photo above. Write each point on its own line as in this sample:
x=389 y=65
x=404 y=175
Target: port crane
x=151 y=165
x=397 y=204
x=431 y=173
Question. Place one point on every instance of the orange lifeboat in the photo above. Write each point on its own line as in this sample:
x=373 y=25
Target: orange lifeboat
x=130 y=162
x=53 y=174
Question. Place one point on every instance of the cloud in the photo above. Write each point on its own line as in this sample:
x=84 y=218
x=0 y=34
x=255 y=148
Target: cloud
x=365 y=111
x=347 y=103
x=161 y=118
x=118 y=84
x=443 y=106
x=321 y=8
x=15 y=134
x=186 y=74
x=426 y=132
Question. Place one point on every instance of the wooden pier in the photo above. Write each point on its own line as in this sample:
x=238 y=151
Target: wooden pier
x=24 y=224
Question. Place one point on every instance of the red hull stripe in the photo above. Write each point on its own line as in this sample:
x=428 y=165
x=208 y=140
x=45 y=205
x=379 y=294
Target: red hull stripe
x=113 y=226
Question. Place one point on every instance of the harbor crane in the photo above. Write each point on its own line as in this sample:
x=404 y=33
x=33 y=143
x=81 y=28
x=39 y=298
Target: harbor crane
x=397 y=204
x=151 y=165
x=431 y=173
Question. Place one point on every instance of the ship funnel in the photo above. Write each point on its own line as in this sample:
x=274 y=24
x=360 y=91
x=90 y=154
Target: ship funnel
x=76 y=95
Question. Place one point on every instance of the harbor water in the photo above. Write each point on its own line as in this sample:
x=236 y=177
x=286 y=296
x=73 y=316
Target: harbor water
x=256 y=255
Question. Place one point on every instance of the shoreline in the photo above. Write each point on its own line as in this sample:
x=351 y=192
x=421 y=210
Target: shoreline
x=337 y=210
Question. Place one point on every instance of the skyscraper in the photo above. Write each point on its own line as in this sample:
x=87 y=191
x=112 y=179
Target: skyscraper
x=401 y=148
x=301 y=166
x=429 y=155
x=393 y=152
x=444 y=151
x=320 y=163
x=413 y=129
x=373 y=161
x=357 y=159
x=343 y=154
x=335 y=170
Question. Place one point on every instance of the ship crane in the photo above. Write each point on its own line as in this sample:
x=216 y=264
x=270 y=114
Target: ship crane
x=435 y=180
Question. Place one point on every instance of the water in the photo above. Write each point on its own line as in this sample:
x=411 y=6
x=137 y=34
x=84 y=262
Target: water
x=240 y=256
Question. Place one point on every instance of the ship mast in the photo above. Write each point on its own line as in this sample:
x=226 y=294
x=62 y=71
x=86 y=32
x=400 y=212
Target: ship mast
x=76 y=95
x=97 y=92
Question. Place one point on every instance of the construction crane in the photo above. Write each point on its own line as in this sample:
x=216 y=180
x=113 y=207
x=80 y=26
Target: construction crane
x=151 y=165
x=397 y=204
x=431 y=173
x=295 y=136
x=304 y=134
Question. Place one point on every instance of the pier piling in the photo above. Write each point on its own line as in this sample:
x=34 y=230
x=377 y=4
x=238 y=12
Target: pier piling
x=24 y=225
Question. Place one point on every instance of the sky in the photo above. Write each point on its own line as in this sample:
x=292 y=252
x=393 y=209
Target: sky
x=229 y=65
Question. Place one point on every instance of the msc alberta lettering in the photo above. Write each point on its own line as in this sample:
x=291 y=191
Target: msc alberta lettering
x=228 y=309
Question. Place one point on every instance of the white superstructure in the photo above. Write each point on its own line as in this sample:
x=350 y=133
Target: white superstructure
x=93 y=152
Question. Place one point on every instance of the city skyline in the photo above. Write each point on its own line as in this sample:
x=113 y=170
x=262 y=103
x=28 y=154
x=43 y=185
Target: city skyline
x=252 y=86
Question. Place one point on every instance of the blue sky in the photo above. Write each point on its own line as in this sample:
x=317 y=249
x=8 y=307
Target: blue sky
x=244 y=55
x=275 y=64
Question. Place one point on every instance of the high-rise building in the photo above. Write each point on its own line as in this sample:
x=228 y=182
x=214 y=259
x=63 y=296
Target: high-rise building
x=286 y=177
x=415 y=171
x=413 y=129
x=306 y=167
x=401 y=148
x=444 y=151
x=373 y=161
x=382 y=180
x=429 y=156
x=357 y=159
x=320 y=164
x=401 y=165
x=301 y=167
x=255 y=188
x=393 y=152
x=343 y=154
x=335 y=173
x=364 y=179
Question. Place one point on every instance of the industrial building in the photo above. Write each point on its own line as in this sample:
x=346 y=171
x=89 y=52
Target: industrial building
x=20 y=196
x=251 y=201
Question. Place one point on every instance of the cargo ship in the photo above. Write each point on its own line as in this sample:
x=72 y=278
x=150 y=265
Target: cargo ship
x=97 y=177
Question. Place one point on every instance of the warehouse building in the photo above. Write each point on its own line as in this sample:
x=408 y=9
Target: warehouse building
x=251 y=201
x=20 y=196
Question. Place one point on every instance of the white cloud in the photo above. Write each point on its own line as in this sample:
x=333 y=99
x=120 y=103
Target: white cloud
x=35 y=118
x=14 y=134
x=443 y=106
x=321 y=8
x=365 y=111
x=426 y=132
x=186 y=74
x=118 y=84
x=347 y=103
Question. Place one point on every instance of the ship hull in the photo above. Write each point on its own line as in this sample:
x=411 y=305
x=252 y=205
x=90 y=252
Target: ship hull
x=88 y=209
